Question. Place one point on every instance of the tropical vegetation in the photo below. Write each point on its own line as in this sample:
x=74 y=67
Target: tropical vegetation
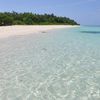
x=14 y=18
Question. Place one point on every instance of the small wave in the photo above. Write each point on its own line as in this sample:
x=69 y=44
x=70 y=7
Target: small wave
x=91 y=32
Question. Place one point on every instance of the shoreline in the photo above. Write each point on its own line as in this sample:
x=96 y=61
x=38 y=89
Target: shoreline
x=14 y=30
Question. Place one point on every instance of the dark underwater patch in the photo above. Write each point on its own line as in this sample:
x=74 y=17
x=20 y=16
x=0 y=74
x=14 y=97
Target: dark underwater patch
x=91 y=32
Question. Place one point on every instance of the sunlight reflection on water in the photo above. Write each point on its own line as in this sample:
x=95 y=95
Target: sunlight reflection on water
x=58 y=65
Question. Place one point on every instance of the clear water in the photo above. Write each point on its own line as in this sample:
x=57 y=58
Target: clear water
x=58 y=65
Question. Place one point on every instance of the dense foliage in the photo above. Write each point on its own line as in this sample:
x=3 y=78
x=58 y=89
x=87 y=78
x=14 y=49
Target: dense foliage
x=14 y=18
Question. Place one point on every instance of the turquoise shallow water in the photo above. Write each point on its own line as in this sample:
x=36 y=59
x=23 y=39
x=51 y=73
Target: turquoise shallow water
x=61 y=64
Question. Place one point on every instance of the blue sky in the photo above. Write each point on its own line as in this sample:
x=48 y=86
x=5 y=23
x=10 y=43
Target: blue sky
x=85 y=12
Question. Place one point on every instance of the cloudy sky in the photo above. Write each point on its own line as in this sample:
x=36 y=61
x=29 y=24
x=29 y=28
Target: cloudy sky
x=85 y=12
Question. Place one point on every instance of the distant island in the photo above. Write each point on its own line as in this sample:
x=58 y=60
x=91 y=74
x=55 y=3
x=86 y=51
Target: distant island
x=14 y=18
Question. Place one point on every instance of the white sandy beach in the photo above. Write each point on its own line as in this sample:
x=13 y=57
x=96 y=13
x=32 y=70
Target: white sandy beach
x=6 y=31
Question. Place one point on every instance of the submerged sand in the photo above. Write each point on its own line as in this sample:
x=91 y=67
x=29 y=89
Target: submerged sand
x=6 y=31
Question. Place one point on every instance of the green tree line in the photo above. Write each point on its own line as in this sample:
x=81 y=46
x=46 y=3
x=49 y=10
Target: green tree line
x=14 y=18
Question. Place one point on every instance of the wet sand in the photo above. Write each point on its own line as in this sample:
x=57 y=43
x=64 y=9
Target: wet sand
x=6 y=31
